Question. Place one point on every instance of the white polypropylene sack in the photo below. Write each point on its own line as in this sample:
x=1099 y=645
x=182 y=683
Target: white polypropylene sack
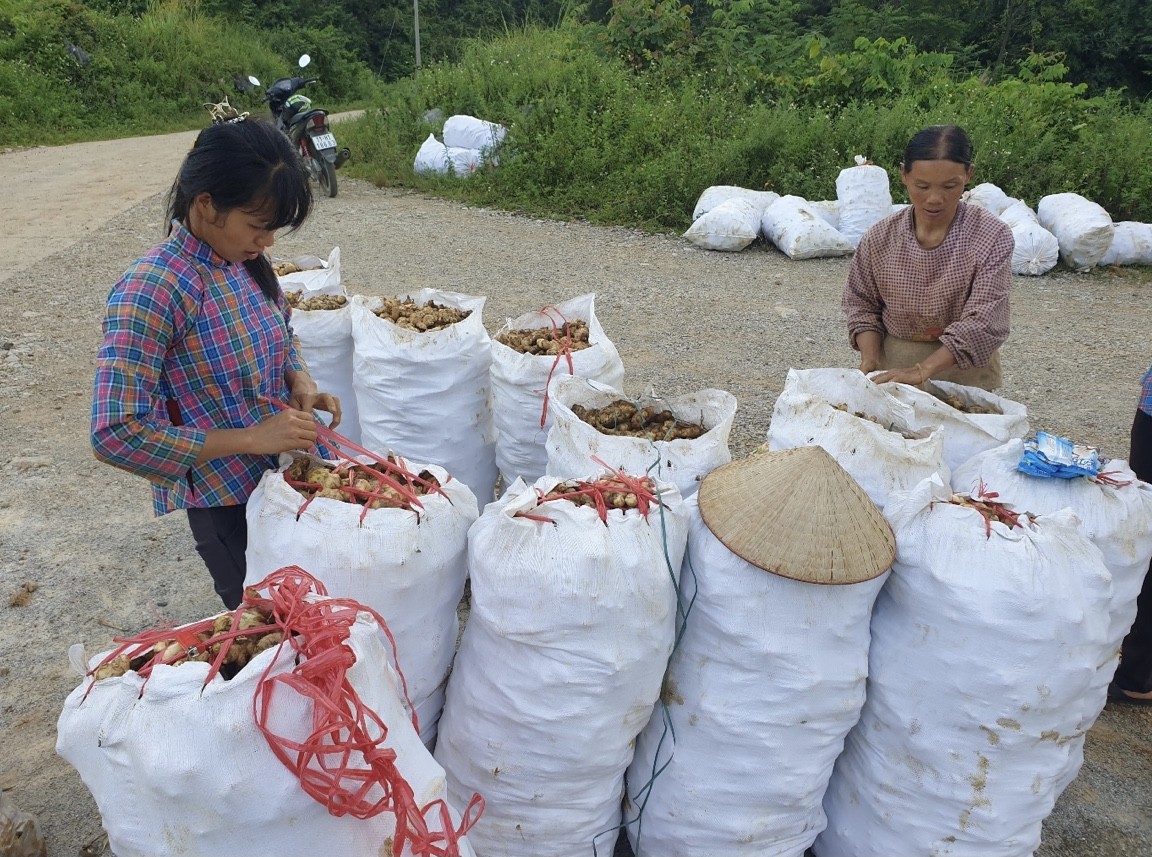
x=1083 y=228
x=1116 y=517
x=1036 y=250
x=881 y=450
x=408 y=566
x=715 y=195
x=731 y=226
x=463 y=161
x=1131 y=244
x=427 y=395
x=180 y=769
x=829 y=211
x=573 y=445
x=432 y=157
x=767 y=680
x=520 y=383
x=983 y=647
x=1017 y=212
x=988 y=196
x=320 y=276
x=325 y=337
x=560 y=665
x=468 y=132
x=799 y=232
x=965 y=434
x=865 y=198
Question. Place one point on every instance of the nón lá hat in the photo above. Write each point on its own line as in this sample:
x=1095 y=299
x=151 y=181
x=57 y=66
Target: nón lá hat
x=799 y=514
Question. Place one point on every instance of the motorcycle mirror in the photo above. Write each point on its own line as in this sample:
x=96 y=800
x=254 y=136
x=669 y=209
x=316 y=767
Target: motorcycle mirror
x=255 y=81
x=304 y=60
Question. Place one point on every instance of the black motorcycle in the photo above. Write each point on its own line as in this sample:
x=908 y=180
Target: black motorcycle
x=306 y=126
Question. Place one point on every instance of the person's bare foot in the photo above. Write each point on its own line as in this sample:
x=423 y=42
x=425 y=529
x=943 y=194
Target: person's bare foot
x=1128 y=697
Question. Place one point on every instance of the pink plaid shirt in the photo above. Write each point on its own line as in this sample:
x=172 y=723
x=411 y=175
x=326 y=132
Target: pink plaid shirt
x=957 y=293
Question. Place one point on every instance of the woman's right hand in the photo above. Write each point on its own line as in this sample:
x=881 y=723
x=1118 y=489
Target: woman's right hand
x=284 y=432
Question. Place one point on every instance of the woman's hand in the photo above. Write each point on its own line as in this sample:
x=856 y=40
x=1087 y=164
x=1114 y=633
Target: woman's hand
x=284 y=432
x=304 y=396
x=913 y=375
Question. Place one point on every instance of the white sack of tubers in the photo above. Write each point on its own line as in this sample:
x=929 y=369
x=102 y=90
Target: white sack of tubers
x=864 y=197
x=717 y=194
x=730 y=226
x=800 y=232
x=1131 y=244
x=1083 y=228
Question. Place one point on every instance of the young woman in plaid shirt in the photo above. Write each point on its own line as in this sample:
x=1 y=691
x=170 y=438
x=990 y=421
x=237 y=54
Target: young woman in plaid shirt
x=927 y=294
x=197 y=345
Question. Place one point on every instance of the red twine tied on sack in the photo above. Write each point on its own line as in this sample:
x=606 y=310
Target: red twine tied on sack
x=565 y=341
x=615 y=482
x=1109 y=478
x=340 y=764
x=990 y=508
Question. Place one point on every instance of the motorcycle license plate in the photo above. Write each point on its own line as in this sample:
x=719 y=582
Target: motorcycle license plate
x=324 y=141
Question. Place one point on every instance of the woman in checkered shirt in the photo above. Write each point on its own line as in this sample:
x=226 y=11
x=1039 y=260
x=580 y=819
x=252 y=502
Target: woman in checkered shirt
x=927 y=294
x=197 y=345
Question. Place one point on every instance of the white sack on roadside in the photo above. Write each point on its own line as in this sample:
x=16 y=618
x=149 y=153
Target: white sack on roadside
x=717 y=194
x=1131 y=244
x=325 y=337
x=730 y=226
x=463 y=161
x=1083 y=228
x=865 y=198
x=799 y=232
x=880 y=449
x=985 y=640
x=766 y=682
x=426 y=395
x=520 y=384
x=408 y=566
x=988 y=196
x=180 y=769
x=574 y=444
x=1036 y=250
x=561 y=662
x=1018 y=211
x=432 y=157
x=828 y=209
x=467 y=132
x=965 y=433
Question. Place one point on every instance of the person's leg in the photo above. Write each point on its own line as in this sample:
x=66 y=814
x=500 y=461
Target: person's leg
x=1135 y=671
x=221 y=534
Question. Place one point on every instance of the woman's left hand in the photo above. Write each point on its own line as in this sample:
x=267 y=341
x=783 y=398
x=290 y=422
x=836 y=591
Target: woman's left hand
x=913 y=375
x=305 y=396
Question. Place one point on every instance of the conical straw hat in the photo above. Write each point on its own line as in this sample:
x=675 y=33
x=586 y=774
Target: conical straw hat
x=799 y=514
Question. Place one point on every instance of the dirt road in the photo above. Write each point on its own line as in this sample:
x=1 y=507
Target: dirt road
x=682 y=319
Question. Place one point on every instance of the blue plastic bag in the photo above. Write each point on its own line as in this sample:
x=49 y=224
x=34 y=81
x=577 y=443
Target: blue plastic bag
x=1056 y=457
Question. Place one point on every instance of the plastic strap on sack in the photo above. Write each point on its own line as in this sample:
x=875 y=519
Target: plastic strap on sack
x=1052 y=457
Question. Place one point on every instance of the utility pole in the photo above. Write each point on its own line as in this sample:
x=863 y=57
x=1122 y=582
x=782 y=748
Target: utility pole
x=416 y=27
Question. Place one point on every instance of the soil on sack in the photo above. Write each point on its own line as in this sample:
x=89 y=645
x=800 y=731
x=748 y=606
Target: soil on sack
x=683 y=320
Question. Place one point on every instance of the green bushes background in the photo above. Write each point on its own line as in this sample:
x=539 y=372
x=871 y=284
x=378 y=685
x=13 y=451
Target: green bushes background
x=619 y=111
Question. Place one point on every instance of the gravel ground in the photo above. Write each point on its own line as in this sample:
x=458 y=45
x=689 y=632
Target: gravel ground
x=683 y=319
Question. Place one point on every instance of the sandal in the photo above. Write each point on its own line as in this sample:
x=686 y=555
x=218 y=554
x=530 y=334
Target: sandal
x=1118 y=694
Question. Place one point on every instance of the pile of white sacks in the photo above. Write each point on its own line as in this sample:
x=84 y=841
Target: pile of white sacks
x=1063 y=227
x=468 y=144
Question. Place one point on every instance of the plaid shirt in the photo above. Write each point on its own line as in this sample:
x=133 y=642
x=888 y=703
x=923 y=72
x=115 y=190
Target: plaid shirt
x=188 y=334
x=1146 y=393
x=957 y=293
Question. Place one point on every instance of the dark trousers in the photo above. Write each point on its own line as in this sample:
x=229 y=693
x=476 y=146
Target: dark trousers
x=221 y=534
x=1135 y=672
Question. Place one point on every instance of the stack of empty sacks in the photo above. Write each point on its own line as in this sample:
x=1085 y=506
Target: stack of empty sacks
x=469 y=143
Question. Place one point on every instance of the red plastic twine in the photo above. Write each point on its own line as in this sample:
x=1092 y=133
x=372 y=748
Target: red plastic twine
x=617 y=482
x=565 y=352
x=342 y=764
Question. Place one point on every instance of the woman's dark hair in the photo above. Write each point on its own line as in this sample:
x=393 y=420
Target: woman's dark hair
x=246 y=164
x=939 y=143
